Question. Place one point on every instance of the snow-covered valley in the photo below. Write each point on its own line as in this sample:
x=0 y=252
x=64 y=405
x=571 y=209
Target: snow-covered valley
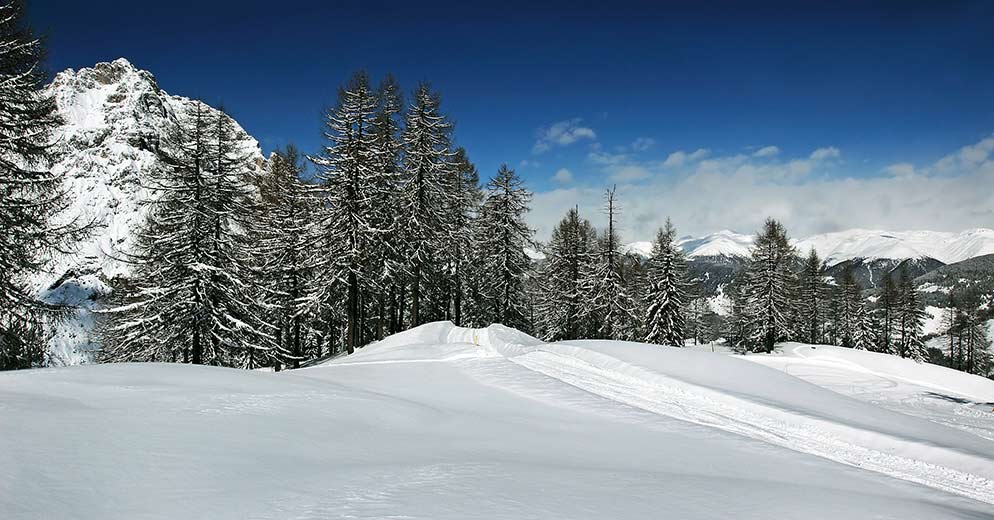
x=446 y=422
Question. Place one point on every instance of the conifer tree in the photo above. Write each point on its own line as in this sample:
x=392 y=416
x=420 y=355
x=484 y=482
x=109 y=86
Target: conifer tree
x=887 y=304
x=606 y=297
x=502 y=236
x=289 y=246
x=812 y=306
x=912 y=320
x=190 y=296
x=769 y=287
x=426 y=195
x=386 y=265
x=354 y=188
x=568 y=254
x=466 y=201
x=666 y=296
x=30 y=194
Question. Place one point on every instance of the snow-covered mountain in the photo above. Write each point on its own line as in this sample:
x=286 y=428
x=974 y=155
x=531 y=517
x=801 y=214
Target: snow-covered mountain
x=114 y=115
x=837 y=247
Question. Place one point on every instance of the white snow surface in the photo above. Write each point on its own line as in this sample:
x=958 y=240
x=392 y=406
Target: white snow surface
x=443 y=422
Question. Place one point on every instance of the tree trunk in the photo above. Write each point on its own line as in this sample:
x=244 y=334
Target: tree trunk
x=351 y=334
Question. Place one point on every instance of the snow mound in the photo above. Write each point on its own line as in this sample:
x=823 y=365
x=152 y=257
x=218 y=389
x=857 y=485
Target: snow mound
x=444 y=422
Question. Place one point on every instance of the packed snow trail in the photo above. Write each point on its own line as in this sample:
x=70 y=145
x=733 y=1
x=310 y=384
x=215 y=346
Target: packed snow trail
x=969 y=474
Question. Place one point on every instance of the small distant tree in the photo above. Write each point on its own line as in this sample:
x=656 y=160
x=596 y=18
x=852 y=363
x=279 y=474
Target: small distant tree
x=812 y=306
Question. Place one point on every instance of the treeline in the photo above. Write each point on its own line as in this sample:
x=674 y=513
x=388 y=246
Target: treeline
x=239 y=268
x=589 y=289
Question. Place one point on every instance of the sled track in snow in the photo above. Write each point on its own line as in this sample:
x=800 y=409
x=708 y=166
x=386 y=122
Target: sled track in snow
x=841 y=443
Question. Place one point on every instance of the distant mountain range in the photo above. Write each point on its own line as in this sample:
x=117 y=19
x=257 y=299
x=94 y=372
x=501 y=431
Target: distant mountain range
x=853 y=244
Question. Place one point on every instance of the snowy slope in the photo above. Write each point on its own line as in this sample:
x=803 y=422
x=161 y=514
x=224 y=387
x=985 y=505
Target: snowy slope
x=722 y=243
x=940 y=394
x=114 y=117
x=948 y=248
x=448 y=423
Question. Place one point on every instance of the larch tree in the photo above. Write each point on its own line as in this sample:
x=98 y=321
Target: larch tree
x=499 y=250
x=189 y=296
x=386 y=267
x=426 y=195
x=666 y=294
x=30 y=194
x=911 y=319
x=289 y=246
x=571 y=249
x=605 y=294
x=769 y=286
x=347 y=172
x=812 y=299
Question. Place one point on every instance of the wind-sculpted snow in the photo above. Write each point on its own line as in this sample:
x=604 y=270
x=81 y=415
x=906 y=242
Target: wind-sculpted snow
x=444 y=422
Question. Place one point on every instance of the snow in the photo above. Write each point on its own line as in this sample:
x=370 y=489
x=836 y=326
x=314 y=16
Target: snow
x=937 y=393
x=445 y=422
x=947 y=247
x=723 y=243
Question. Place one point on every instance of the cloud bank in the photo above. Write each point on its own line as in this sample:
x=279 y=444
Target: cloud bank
x=812 y=193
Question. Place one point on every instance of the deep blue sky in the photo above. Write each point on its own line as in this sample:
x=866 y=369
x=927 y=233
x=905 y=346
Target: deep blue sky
x=899 y=82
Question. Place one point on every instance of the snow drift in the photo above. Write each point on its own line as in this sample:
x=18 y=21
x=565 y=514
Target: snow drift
x=447 y=422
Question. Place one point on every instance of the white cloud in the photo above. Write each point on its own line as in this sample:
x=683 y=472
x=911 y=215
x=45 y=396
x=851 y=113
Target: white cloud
x=629 y=173
x=642 y=144
x=901 y=169
x=563 y=176
x=679 y=157
x=563 y=133
x=823 y=154
x=740 y=191
x=766 y=151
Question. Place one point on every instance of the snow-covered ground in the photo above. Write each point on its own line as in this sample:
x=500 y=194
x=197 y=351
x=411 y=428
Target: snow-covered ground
x=444 y=422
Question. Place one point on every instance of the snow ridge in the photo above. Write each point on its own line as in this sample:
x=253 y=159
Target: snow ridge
x=632 y=375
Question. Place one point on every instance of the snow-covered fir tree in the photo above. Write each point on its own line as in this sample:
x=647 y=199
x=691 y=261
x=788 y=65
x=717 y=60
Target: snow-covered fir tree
x=499 y=251
x=606 y=298
x=769 y=288
x=466 y=266
x=569 y=253
x=862 y=329
x=190 y=297
x=426 y=197
x=666 y=295
x=29 y=193
x=288 y=246
x=351 y=181
x=386 y=267
x=811 y=305
x=846 y=308
x=887 y=312
x=911 y=320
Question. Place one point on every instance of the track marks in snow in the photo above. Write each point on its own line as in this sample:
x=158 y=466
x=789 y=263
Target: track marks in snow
x=864 y=449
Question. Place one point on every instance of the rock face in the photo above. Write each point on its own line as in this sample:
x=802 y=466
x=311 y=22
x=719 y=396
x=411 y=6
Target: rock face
x=114 y=116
